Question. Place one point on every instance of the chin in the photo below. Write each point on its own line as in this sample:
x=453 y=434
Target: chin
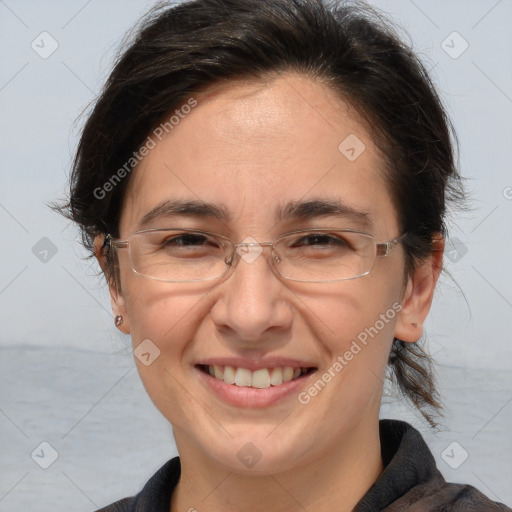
x=253 y=452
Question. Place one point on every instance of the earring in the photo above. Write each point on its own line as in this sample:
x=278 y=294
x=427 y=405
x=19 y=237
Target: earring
x=118 y=320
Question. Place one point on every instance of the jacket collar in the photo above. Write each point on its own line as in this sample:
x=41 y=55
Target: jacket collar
x=408 y=462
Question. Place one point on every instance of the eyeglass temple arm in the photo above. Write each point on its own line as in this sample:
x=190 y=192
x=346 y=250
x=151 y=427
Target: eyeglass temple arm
x=110 y=242
x=384 y=248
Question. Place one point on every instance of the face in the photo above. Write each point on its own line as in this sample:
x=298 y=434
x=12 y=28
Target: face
x=252 y=149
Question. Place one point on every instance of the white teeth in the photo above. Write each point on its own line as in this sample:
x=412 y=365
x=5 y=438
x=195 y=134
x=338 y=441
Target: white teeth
x=287 y=373
x=262 y=378
x=219 y=372
x=243 y=377
x=229 y=375
x=276 y=376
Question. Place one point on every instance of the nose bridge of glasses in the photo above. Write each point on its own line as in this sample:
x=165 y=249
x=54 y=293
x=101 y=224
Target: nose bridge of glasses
x=248 y=250
x=252 y=244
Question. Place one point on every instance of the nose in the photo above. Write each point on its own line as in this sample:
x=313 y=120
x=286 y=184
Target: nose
x=252 y=305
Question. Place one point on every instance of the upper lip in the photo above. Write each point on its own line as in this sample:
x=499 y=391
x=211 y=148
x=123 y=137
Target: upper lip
x=256 y=364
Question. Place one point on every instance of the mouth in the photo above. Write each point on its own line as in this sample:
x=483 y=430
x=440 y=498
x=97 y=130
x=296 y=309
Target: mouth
x=262 y=378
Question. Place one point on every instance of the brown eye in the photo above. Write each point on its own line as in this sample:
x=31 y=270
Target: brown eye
x=319 y=239
x=186 y=239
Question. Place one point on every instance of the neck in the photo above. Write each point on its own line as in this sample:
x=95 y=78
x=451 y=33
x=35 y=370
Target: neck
x=334 y=481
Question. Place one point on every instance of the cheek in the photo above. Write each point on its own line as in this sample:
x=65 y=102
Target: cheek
x=353 y=309
x=357 y=340
x=361 y=340
x=163 y=312
x=169 y=317
x=355 y=324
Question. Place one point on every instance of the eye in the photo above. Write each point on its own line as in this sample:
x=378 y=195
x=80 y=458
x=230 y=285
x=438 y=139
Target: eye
x=320 y=239
x=319 y=246
x=186 y=239
x=188 y=245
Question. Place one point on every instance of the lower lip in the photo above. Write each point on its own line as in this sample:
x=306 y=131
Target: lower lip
x=244 y=396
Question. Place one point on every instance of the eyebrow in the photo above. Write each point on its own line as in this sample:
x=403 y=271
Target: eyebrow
x=184 y=208
x=323 y=208
x=293 y=210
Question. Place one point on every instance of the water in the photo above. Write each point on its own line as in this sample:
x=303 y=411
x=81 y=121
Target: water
x=108 y=437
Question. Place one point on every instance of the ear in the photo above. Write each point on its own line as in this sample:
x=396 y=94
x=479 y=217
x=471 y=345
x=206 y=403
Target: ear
x=116 y=296
x=418 y=294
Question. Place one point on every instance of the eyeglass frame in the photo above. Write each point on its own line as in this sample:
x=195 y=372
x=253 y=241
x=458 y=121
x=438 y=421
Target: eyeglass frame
x=382 y=250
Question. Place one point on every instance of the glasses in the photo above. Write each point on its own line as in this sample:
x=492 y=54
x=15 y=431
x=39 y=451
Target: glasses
x=311 y=255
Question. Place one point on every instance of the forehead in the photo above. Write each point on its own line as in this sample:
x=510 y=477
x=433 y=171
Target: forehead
x=255 y=147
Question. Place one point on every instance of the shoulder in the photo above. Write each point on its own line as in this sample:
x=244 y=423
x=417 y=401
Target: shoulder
x=124 y=505
x=411 y=480
x=155 y=495
x=430 y=497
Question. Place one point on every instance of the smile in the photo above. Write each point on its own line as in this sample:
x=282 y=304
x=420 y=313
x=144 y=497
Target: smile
x=262 y=378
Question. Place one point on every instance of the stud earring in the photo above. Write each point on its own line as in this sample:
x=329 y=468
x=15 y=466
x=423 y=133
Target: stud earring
x=118 y=320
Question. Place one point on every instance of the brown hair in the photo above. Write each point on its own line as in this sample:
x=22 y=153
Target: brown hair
x=349 y=46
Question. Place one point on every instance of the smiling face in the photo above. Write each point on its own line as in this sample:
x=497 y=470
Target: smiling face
x=261 y=160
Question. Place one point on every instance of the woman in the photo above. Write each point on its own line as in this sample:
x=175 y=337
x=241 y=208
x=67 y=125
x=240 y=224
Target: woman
x=264 y=185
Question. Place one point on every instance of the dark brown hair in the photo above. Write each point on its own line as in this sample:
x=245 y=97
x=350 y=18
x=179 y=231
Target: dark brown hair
x=180 y=49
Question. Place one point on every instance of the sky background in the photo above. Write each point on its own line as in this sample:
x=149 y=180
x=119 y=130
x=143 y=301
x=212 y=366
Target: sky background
x=67 y=375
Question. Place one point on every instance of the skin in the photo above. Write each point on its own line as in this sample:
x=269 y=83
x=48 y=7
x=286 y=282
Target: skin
x=252 y=146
